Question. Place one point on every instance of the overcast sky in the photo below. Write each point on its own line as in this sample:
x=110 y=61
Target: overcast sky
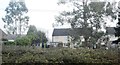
x=41 y=13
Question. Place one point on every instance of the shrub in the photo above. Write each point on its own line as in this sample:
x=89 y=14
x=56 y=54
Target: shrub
x=68 y=44
x=9 y=43
x=3 y=39
x=60 y=44
x=59 y=55
x=23 y=41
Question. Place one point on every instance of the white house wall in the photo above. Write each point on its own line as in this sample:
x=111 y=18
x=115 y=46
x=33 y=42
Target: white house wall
x=63 y=39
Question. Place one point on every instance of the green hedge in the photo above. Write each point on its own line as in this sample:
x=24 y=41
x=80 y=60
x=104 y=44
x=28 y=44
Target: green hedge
x=9 y=43
x=23 y=41
x=4 y=39
x=59 y=55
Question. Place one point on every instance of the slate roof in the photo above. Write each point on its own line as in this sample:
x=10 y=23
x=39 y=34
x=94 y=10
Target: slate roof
x=69 y=31
x=13 y=37
x=3 y=32
x=110 y=30
x=61 y=32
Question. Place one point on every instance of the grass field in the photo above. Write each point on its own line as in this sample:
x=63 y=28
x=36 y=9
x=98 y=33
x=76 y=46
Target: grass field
x=26 y=54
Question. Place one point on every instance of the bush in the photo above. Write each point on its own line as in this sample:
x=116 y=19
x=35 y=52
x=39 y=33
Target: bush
x=9 y=43
x=68 y=44
x=60 y=44
x=23 y=41
x=59 y=55
x=3 y=39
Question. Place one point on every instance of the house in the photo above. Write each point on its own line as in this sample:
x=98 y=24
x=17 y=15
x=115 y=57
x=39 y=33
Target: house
x=3 y=35
x=60 y=35
x=11 y=37
x=63 y=35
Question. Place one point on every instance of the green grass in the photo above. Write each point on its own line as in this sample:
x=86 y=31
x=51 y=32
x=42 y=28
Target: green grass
x=58 y=55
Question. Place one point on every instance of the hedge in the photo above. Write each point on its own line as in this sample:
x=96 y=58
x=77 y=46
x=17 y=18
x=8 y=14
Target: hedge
x=59 y=55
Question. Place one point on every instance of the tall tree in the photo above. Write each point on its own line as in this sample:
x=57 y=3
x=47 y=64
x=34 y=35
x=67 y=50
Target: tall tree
x=117 y=29
x=86 y=14
x=36 y=34
x=42 y=36
x=32 y=29
x=16 y=22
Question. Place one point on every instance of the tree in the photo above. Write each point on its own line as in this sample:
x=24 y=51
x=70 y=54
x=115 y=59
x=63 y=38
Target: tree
x=35 y=34
x=86 y=14
x=33 y=37
x=117 y=29
x=32 y=29
x=23 y=41
x=16 y=22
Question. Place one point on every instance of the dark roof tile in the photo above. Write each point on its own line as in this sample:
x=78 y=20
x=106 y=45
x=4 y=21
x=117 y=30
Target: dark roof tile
x=69 y=31
x=61 y=32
